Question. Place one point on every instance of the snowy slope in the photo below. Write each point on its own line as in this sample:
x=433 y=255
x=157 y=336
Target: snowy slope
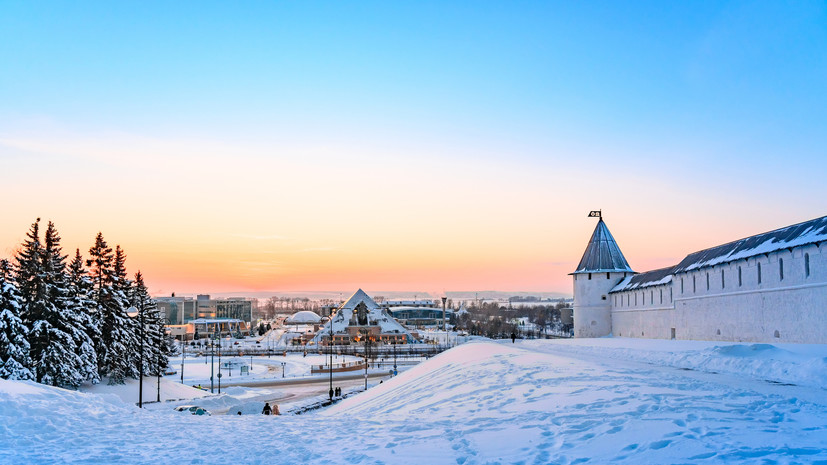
x=477 y=403
x=800 y=364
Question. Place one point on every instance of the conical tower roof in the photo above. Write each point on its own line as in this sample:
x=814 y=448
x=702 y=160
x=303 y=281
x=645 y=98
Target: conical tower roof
x=602 y=255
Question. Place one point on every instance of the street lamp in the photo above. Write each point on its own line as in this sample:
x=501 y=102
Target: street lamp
x=133 y=312
x=366 y=333
x=282 y=368
x=219 y=363
x=184 y=350
x=330 y=348
x=161 y=338
x=212 y=363
x=444 y=299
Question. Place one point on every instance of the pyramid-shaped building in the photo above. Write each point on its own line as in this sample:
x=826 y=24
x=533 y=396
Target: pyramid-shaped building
x=360 y=319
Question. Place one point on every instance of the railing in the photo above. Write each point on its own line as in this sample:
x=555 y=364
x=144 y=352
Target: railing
x=359 y=351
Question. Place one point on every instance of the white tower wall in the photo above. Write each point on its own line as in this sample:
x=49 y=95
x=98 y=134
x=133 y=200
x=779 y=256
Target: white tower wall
x=592 y=304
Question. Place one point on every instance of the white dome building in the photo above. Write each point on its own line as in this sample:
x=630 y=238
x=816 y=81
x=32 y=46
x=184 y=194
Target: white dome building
x=305 y=317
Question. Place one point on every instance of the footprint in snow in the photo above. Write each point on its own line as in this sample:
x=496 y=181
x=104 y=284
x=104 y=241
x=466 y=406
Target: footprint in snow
x=660 y=444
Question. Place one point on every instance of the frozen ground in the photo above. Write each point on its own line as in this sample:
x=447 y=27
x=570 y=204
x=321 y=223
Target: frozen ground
x=595 y=401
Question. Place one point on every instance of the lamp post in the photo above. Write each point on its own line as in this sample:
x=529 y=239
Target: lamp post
x=283 y=364
x=330 y=348
x=219 y=363
x=184 y=350
x=366 y=333
x=444 y=299
x=394 y=356
x=212 y=364
x=161 y=338
x=133 y=312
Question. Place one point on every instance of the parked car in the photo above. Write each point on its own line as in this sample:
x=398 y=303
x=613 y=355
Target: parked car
x=193 y=409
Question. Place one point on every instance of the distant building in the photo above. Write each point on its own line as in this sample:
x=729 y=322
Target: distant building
x=771 y=287
x=361 y=319
x=419 y=316
x=423 y=303
x=211 y=327
x=304 y=317
x=182 y=310
x=177 y=309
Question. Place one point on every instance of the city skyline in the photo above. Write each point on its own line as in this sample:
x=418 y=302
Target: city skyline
x=434 y=147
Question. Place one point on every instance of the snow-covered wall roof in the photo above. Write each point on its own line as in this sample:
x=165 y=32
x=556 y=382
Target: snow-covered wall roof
x=647 y=279
x=808 y=232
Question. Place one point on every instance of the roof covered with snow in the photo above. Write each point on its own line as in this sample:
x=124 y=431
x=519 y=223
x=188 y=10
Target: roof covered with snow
x=808 y=232
x=304 y=317
x=377 y=316
x=647 y=279
x=602 y=254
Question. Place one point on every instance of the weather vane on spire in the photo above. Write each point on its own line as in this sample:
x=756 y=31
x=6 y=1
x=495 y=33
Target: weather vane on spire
x=596 y=214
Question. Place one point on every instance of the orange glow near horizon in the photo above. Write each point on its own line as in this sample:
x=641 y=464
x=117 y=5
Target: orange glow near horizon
x=205 y=224
x=504 y=256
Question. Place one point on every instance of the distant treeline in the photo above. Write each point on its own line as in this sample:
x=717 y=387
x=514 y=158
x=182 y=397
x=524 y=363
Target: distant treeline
x=493 y=320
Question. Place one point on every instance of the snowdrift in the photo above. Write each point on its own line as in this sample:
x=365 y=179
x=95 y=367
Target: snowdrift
x=799 y=364
x=477 y=403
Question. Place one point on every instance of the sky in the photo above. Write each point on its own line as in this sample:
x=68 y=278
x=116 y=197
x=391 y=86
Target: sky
x=426 y=146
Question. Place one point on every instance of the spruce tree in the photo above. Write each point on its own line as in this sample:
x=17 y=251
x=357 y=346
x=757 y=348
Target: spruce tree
x=123 y=290
x=37 y=311
x=83 y=308
x=29 y=274
x=156 y=348
x=117 y=343
x=14 y=347
x=55 y=329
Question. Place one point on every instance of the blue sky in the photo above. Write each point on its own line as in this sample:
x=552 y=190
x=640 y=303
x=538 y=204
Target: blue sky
x=698 y=110
x=744 y=74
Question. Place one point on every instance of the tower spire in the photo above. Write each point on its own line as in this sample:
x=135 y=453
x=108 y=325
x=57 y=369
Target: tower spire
x=602 y=254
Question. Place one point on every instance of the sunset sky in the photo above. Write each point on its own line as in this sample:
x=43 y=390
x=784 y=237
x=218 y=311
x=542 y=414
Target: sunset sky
x=425 y=146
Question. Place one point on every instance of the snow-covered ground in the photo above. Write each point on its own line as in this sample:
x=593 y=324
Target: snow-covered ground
x=596 y=401
x=197 y=370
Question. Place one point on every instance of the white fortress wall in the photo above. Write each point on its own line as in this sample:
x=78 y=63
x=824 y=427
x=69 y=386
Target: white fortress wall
x=792 y=308
x=712 y=303
x=646 y=312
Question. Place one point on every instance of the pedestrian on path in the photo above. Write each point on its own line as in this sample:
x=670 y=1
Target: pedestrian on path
x=267 y=410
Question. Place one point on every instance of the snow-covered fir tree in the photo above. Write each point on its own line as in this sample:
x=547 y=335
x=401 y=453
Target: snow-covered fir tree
x=29 y=274
x=14 y=347
x=118 y=343
x=55 y=327
x=155 y=348
x=83 y=309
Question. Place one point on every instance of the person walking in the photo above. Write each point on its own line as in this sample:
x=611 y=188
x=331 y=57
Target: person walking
x=513 y=338
x=267 y=410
